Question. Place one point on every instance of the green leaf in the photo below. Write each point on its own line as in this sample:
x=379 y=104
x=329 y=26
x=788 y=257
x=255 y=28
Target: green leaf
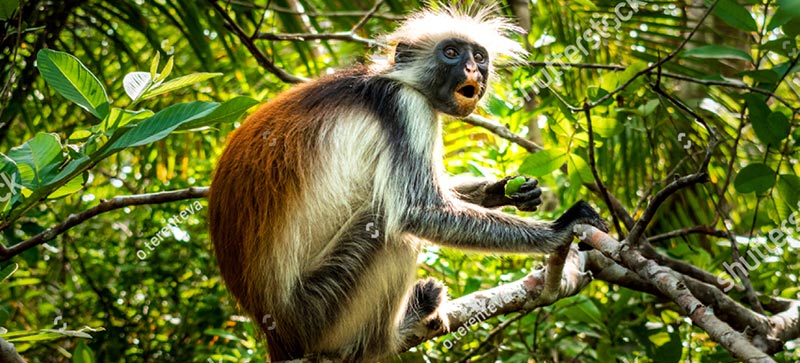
x=82 y=354
x=788 y=190
x=792 y=27
x=762 y=75
x=579 y=170
x=791 y=7
x=179 y=83
x=754 y=178
x=154 y=65
x=543 y=162
x=717 y=52
x=166 y=71
x=773 y=129
x=71 y=187
x=770 y=127
x=38 y=159
x=758 y=107
x=159 y=125
x=781 y=16
x=7 y=8
x=119 y=117
x=736 y=15
x=7 y=271
x=228 y=111
x=70 y=78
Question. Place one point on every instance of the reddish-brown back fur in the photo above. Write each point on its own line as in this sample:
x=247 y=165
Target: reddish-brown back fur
x=260 y=173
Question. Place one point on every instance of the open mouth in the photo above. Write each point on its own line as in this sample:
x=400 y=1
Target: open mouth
x=468 y=89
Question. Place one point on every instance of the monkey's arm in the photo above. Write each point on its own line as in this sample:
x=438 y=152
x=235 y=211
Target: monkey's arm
x=490 y=193
x=461 y=225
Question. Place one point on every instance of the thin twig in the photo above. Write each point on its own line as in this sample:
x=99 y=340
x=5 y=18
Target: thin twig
x=261 y=58
x=595 y=173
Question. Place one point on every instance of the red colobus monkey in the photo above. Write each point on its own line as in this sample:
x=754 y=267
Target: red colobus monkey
x=322 y=198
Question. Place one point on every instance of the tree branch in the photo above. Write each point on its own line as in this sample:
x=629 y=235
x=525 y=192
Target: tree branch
x=672 y=286
x=261 y=58
x=105 y=206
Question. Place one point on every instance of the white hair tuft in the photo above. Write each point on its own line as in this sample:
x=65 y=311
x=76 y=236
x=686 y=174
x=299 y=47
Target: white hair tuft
x=480 y=26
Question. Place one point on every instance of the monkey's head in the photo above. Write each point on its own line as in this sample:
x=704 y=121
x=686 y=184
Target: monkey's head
x=447 y=55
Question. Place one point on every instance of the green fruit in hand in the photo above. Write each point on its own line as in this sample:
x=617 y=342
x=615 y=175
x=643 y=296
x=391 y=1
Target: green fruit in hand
x=513 y=185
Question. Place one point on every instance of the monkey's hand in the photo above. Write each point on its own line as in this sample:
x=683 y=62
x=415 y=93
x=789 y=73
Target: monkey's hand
x=527 y=198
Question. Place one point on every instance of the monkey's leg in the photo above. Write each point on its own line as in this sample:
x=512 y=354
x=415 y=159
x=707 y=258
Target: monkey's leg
x=490 y=193
x=427 y=296
x=348 y=303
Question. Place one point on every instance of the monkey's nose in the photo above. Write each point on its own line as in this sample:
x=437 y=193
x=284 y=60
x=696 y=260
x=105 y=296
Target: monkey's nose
x=471 y=66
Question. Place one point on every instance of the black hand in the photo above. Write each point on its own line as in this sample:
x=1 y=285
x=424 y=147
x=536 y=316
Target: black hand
x=528 y=197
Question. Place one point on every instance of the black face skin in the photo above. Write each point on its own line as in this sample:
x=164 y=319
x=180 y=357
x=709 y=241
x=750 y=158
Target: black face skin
x=457 y=78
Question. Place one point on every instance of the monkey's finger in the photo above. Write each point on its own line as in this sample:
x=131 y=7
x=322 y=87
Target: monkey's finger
x=526 y=195
x=531 y=183
x=530 y=206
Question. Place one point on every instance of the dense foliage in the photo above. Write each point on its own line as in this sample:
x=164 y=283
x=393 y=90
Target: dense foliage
x=102 y=99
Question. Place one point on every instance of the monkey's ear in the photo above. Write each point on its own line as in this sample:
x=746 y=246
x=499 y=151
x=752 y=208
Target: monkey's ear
x=403 y=53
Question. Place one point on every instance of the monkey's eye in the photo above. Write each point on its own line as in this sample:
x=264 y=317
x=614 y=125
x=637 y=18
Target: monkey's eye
x=479 y=57
x=450 y=52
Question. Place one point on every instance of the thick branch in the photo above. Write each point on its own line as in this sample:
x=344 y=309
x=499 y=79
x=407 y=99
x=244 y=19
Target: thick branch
x=521 y=295
x=672 y=286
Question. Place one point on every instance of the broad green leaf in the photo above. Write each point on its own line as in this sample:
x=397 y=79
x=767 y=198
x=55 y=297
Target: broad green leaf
x=781 y=16
x=70 y=78
x=792 y=27
x=788 y=192
x=7 y=8
x=579 y=170
x=71 y=187
x=543 y=162
x=717 y=52
x=38 y=159
x=736 y=15
x=758 y=107
x=772 y=130
x=754 y=178
x=603 y=126
x=791 y=7
x=119 y=117
x=228 y=111
x=82 y=354
x=179 y=83
x=159 y=125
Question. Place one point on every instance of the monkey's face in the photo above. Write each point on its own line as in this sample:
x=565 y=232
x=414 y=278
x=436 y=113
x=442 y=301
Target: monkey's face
x=454 y=76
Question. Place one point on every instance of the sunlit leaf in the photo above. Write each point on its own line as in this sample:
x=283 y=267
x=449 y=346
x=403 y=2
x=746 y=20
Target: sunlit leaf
x=70 y=78
x=543 y=162
x=38 y=159
x=178 y=83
